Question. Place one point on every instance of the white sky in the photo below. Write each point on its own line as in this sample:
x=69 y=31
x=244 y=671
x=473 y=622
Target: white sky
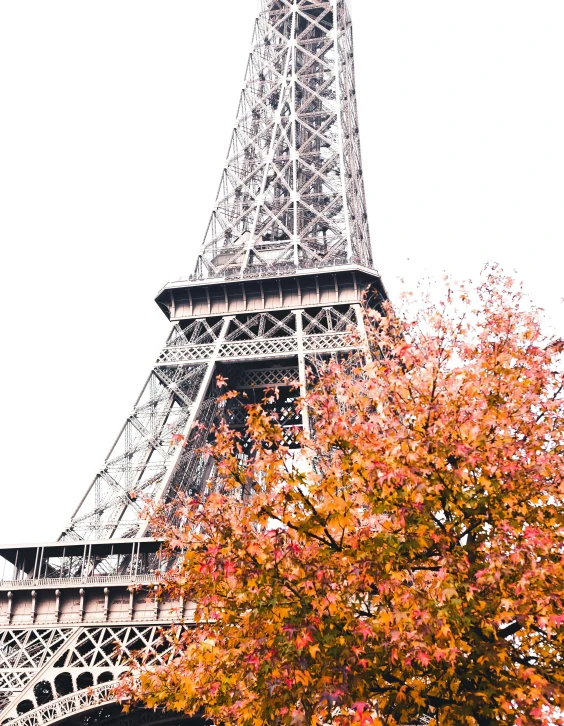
x=115 y=117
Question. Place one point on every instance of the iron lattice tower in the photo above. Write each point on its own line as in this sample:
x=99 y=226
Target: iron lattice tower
x=278 y=284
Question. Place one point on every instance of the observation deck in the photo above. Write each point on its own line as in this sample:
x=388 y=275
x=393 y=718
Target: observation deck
x=75 y=583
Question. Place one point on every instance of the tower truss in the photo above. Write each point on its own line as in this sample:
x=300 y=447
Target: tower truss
x=291 y=194
x=280 y=283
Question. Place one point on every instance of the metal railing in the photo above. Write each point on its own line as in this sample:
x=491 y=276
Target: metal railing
x=260 y=271
x=331 y=340
x=145 y=579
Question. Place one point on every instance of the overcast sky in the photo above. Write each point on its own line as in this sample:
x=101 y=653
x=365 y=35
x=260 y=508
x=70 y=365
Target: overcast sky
x=115 y=117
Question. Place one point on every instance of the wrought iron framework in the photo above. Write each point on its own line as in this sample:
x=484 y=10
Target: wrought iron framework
x=47 y=675
x=280 y=281
x=180 y=392
x=291 y=193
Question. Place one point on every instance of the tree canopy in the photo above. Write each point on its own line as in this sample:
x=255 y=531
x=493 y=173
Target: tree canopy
x=407 y=566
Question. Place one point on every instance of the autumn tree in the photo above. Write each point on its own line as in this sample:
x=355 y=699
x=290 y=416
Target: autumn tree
x=408 y=565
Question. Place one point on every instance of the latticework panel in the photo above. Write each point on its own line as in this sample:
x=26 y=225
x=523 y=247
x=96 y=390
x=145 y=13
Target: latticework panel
x=108 y=647
x=196 y=332
x=42 y=670
x=329 y=319
x=178 y=405
x=23 y=653
x=140 y=456
x=291 y=194
x=261 y=325
x=28 y=649
x=257 y=378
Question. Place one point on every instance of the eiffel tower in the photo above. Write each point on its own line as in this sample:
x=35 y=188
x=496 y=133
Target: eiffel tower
x=278 y=285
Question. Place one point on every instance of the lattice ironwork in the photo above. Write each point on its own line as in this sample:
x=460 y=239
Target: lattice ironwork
x=291 y=198
x=96 y=647
x=292 y=192
x=140 y=456
x=328 y=320
x=265 y=377
x=81 y=657
x=330 y=343
x=90 y=703
x=186 y=354
x=23 y=654
x=144 y=463
x=259 y=348
x=61 y=708
x=28 y=649
x=197 y=332
x=261 y=325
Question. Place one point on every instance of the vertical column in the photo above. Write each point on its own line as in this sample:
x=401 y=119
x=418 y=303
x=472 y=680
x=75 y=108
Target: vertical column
x=301 y=367
x=339 y=71
x=294 y=146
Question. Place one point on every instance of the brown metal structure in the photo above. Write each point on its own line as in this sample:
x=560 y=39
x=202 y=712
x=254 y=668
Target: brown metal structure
x=279 y=283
